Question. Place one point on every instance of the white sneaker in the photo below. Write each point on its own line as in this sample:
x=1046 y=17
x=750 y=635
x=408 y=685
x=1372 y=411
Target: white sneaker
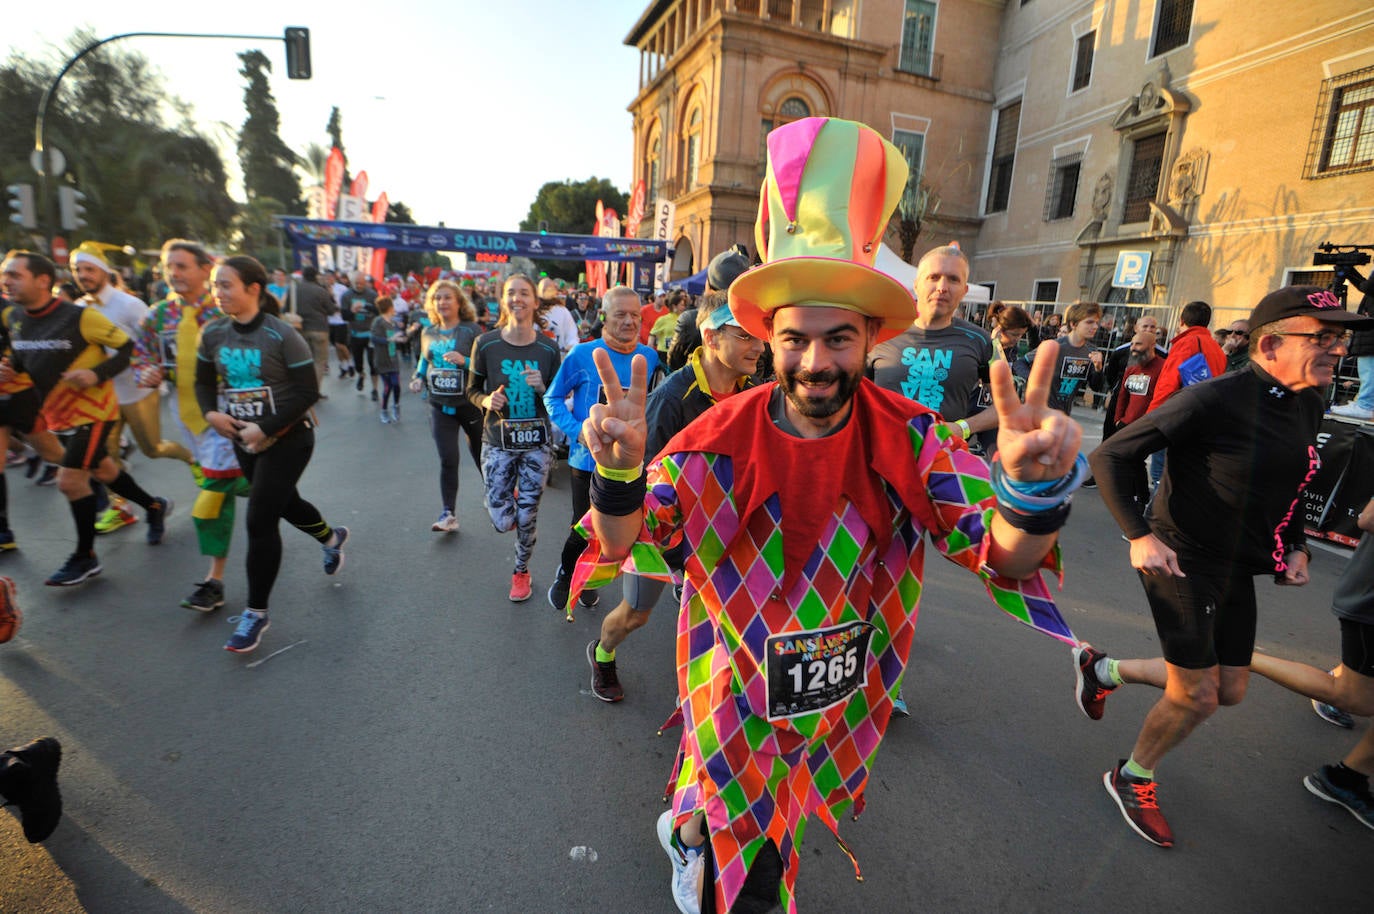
x=447 y=523
x=687 y=865
x=1352 y=411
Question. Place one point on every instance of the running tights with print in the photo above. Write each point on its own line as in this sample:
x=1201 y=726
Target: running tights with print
x=446 y=427
x=391 y=388
x=515 y=480
x=272 y=498
x=361 y=350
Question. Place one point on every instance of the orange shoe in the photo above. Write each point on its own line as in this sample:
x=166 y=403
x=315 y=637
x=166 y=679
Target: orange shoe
x=520 y=588
x=10 y=616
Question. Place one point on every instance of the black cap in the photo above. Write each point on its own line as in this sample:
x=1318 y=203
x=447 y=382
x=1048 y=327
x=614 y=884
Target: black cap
x=726 y=267
x=1312 y=301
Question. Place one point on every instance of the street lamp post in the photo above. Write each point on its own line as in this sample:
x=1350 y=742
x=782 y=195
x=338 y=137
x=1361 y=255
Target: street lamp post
x=297 y=42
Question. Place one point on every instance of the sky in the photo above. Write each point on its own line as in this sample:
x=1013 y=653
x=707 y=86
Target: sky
x=462 y=109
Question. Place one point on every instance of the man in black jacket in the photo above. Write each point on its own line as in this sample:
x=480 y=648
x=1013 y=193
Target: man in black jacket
x=1241 y=448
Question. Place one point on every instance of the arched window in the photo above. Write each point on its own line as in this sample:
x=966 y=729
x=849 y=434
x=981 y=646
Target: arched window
x=653 y=159
x=692 y=158
x=791 y=109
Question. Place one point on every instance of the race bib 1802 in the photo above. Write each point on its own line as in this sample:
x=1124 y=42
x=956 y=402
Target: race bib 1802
x=524 y=434
x=812 y=670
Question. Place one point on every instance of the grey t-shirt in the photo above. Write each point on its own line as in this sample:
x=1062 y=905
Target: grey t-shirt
x=1354 y=596
x=1070 y=373
x=939 y=369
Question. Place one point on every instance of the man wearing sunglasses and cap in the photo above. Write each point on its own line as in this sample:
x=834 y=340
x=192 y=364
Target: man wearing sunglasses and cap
x=1241 y=448
x=802 y=508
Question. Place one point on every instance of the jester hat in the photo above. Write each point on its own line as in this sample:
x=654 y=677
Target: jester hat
x=830 y=188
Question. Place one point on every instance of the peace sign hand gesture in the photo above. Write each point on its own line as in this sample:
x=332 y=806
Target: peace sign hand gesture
x=1034 y=442
x=615 y=431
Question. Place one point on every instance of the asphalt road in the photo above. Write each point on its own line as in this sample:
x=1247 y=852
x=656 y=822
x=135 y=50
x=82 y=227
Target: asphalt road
x=406 y=739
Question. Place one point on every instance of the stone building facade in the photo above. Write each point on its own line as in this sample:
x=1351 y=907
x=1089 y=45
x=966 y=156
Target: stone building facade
x=1219 y=140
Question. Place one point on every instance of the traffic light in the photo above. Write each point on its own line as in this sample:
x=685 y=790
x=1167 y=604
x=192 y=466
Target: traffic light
x=297 y=53
x=69 y=209
x=21 y=201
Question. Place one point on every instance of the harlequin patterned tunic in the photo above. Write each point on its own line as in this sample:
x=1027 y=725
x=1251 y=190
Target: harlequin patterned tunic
x=820 y=533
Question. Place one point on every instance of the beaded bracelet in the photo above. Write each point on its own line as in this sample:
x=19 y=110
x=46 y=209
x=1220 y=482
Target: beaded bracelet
x=1037 y=497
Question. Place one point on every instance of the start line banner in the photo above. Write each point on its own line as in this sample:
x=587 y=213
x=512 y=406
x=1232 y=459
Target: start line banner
x=498 y=246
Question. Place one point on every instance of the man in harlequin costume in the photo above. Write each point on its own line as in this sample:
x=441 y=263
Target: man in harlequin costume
x=804 y=506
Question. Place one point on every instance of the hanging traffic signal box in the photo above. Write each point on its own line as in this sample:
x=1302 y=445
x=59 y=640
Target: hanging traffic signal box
x=21 y=202
x=71 y=213
x=297 y=53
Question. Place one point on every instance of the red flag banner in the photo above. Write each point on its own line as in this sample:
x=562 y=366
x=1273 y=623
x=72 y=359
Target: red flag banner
x=359 y=187
x=636 y=214
x=379 y=208
x=333 y=181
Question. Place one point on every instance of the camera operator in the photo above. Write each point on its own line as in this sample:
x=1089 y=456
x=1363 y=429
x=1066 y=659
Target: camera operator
x=1361 y=349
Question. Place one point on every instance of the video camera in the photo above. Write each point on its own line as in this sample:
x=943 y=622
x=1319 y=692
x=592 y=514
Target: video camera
x=1344 y=258
x=1341 y=255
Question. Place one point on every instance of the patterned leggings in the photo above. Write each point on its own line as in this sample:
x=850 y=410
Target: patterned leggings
x=515 y=481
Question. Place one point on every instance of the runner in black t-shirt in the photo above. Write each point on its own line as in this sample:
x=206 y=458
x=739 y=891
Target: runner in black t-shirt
x=1241 y=449
x=255 y=384
x=509 y=371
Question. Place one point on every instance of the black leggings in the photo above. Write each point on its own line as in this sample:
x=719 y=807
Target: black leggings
x=361 y=349
x=273 y=498
x=581 y=504
x=445 y=429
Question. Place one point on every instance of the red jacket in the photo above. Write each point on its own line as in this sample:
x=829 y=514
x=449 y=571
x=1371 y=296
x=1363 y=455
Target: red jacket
x=1187 y=344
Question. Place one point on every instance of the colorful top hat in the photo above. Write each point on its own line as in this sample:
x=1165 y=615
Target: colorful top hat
x=830 y=188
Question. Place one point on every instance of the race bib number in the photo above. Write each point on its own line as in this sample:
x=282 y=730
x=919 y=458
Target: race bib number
x=524 y=434
x=1138 y=384
x=167 y=346
x=250 y=403
x=1075 y=368
x=445 y=382
x=811 y=671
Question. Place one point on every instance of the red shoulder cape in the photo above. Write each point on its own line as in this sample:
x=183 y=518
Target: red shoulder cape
x=810 y=476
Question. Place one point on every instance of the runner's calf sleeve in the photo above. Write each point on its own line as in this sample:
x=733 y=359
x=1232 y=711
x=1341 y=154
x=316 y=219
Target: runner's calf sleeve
x=125 y=487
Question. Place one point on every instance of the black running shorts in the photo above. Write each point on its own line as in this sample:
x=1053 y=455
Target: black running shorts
x=1206 y=618
x=20 y=411
x=1357 y=646
x=85 y=446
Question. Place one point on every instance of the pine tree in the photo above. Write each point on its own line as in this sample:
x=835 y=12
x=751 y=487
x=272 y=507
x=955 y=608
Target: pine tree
x=267 y=162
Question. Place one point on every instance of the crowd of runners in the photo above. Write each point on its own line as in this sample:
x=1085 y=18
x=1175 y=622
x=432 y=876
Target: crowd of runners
x=774 y=453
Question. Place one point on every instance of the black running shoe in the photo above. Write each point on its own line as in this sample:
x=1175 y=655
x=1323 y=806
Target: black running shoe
x=76 y=569
x=1358 y=801
x=558 y=591
x=605 y=682
x=207 y=597
x=31 y=784
x=157 y=519
x=589 y=597
x=49 y=477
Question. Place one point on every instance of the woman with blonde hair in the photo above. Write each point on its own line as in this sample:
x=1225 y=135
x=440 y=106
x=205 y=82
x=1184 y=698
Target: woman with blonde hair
x=442 y=374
